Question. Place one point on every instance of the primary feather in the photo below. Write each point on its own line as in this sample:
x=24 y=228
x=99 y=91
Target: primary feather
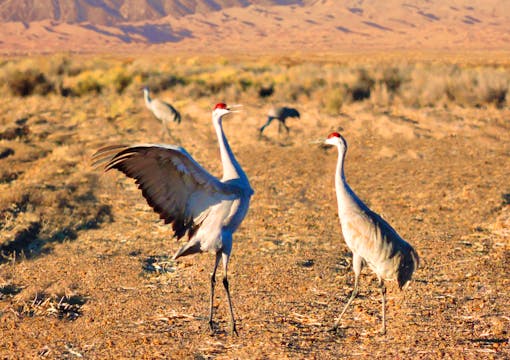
x=173 y=183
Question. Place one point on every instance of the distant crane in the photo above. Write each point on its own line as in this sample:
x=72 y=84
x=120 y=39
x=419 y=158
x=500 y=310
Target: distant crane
x=184 y=194
x=370 y=238
x=281 y=114
x=163 y=111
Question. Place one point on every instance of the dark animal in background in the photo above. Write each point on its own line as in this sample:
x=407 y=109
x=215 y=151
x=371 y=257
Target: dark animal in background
x=281 y=114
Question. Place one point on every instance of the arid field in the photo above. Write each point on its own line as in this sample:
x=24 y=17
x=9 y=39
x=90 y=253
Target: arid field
x=85 y=266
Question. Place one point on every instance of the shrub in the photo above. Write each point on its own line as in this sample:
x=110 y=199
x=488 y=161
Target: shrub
x=493 y=89
x=161 y=82
x=120 y=82
x=360 y=90
x=266 y=91
x=392 y=79
x=25 y=83
x=496 y=96
x=86 y=82
x=334 y=100
x=87 y=85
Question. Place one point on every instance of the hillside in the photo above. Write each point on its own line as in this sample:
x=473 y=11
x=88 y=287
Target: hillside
x=241 y=26
x=110 y=12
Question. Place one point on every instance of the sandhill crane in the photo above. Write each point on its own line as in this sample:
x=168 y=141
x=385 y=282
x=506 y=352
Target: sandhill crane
x=163 y=111
x=370 y=238
x=184 y=194
x=281 y=114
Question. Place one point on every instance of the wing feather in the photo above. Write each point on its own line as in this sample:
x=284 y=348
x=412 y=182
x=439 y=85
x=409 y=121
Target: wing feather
x=173 y=183
x=165 y=111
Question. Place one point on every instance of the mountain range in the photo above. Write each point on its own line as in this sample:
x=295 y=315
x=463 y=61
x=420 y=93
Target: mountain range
x=29 y=26
x=108 y=12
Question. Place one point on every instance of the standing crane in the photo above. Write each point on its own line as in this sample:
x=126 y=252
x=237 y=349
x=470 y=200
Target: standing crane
x=185 y=195
x=281 y=114
x=163 y=111
x=370 y=238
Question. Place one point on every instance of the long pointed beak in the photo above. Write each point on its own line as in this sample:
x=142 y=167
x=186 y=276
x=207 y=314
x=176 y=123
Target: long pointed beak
x=322 y=144
x=230 y=108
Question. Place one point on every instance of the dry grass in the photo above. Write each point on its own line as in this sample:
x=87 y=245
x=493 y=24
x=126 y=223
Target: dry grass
x=85 y=268
x=418 y=83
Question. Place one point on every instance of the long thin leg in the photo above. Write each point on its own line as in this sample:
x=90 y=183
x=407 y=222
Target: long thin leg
x=213 y=283
x=164 y=130
x=356 y=265
x=286 y=127
x=383 y=293
x=269 y=120
x=225 y=284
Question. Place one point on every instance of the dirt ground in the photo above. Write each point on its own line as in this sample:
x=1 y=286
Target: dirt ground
x=86 y=269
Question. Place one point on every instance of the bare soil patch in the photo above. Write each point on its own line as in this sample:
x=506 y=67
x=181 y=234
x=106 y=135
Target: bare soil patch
x=85 y=269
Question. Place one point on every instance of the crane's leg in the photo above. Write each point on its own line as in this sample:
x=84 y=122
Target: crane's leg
x=356 y=265
x=164 y=130
x=213 y=283
x=383 y=293
x=225 y=284
x=269 y=120
x=286 y=127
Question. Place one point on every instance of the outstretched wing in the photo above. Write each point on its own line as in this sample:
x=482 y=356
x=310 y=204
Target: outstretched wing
x=165 y=111
x=173 y=183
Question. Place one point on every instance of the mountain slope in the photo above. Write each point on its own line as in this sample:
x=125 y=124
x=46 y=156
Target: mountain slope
x=107 y=12
x=243 y=26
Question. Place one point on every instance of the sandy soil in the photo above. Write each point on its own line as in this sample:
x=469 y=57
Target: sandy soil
x=85 y=271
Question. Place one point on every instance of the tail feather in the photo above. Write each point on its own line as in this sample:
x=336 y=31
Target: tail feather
x=190 y=248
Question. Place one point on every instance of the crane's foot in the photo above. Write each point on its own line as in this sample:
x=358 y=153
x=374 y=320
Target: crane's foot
x=382 y=331
x=336 y=330
x=211 y=327
x=233 y=330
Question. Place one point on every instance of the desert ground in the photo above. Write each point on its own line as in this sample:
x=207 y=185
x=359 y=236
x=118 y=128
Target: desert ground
x=86 y=269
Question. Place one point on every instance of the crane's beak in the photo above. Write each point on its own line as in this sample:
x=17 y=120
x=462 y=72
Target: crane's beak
x=322 y=144
x=231 y=107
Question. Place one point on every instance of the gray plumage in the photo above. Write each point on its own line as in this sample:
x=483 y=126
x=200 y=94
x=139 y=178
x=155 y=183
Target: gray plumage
x=186 y=196
x=281 y=114
x=163 y=111
x=370 y=238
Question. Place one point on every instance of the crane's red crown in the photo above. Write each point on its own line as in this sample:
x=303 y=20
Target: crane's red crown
x=333 y=134
x=220 y=106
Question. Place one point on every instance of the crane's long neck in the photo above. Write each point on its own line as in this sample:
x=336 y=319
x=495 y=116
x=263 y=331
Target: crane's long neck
x=344 y=194
x=231 y=168
x=147 y=98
